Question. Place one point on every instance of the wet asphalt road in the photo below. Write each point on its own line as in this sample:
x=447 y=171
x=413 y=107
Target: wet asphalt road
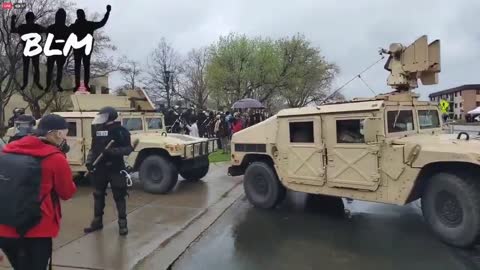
x=301 y=235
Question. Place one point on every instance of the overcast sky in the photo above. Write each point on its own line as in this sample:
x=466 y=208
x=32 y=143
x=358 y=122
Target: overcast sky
x=348 y=33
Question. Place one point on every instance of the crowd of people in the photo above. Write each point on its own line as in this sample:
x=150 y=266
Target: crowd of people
x=212 y=124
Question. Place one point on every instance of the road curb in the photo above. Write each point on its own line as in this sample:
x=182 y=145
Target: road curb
x=171 y=248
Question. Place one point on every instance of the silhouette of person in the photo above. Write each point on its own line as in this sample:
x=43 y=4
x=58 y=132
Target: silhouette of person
x=81 y=28
x=60 y=31
x=28 y=28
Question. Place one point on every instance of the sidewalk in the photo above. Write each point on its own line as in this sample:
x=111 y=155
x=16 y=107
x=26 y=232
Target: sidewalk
x=155 y=221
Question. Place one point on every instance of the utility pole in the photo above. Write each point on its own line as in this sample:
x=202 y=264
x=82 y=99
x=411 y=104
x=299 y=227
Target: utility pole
x=167 y=83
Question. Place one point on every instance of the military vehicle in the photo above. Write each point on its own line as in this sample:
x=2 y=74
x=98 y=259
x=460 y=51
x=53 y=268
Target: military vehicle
x=159 y=156
x=387 y=149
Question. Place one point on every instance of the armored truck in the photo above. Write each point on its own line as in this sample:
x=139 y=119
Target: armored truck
x=159 y=156
x=387 y=149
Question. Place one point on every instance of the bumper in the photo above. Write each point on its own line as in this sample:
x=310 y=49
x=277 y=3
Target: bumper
x=199 y=149
x=194 y=163
x=235 y=170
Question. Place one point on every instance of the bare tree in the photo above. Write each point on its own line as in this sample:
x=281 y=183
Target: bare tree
x=11 y=49
x=131 y=72
x=164 y=67
x=11 y=55
x=194 y=80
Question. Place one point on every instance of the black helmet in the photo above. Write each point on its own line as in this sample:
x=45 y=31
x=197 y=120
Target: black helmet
x=105 y=115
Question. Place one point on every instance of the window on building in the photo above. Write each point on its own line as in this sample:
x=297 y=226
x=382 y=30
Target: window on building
x=154 y=123
x=478 y=92
x=478 y=104
x=301 y=132
x=132 y=124
x=350 y=131
x=400 y=121
x=428 y=119
x=72 y=129
x=461 y=105
x=456 y=105
x=456 y=93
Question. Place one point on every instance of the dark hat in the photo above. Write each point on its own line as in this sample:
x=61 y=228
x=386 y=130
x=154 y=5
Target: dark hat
x=51 y=122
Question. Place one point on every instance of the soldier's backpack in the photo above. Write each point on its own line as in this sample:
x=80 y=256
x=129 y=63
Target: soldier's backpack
x=20 y=180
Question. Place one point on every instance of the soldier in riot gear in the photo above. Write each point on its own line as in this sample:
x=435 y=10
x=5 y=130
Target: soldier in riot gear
x=108 y=170
x=24 y=126
x=16 y=113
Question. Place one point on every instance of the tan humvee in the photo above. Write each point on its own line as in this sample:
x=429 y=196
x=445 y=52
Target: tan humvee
x=387 y=149
x=159 y=157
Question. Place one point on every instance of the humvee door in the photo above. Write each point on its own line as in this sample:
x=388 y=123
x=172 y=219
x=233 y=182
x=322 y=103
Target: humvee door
x=76 y=155
x=301 y=143
x=351 y=162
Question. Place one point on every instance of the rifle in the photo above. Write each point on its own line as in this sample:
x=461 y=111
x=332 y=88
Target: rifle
x=97 y=160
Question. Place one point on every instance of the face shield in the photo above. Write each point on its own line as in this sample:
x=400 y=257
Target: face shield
x=23 y=124
x=23 y=127
x=100 y=119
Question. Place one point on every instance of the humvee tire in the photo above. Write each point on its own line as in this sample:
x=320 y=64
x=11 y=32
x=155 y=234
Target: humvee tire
x=197 y=173
x=158 y=174
x=262 y=187
x=451 y=205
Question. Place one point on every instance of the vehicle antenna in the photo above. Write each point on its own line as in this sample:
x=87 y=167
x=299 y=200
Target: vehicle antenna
x=354 y=77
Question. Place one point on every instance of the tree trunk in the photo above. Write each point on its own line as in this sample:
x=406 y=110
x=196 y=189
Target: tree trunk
x=36 y=110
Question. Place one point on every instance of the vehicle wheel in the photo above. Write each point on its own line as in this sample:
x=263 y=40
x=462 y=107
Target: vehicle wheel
x=262 y=187
x=158 y=174
x=451 y=206
x=195 y=174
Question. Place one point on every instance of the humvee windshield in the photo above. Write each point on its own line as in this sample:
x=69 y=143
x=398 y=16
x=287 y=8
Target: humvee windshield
x=428 y=119
x=400 y=121
x=154 y=123
x=132 y=124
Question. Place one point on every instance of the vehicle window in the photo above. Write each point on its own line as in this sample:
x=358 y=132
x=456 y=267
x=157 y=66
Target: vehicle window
x=72 y=129
x=428 y=119
x=132 y=124
x=400 y=121
x=350 y=131
x=301 y=132
x=154 y=123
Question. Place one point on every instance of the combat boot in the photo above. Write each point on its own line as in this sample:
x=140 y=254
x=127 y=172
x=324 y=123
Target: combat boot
x=122 y=227
x=97 y=224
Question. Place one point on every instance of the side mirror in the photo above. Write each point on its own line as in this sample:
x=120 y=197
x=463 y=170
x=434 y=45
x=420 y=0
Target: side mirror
x=372 y=127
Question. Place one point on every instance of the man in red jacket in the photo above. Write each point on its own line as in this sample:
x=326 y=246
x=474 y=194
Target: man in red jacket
x=34 y=251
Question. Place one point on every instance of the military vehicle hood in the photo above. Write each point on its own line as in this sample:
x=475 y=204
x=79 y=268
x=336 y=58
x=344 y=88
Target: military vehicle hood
x=262 y=132
x=441 y=147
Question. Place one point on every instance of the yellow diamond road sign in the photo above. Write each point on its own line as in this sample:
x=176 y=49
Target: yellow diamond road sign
x=444 y=105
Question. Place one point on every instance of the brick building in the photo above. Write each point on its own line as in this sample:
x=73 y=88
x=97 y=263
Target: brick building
x=462 y=99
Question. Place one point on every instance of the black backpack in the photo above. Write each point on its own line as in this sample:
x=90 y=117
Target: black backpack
x=20 y=180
